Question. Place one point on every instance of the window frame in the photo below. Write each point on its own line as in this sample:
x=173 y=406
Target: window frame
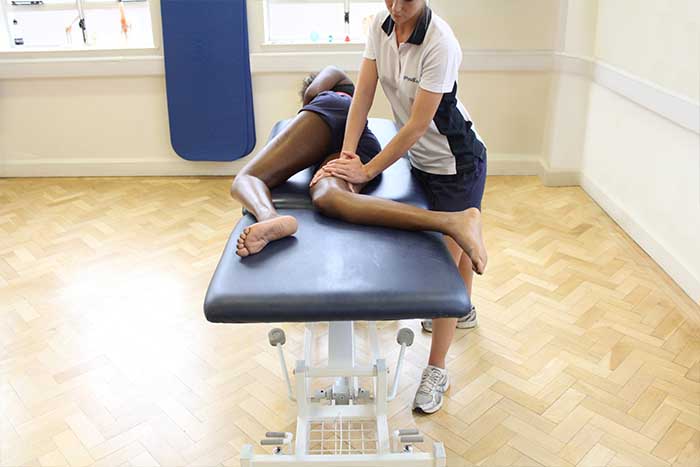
x=265 y=58
x=267 y=43
x=8 y=50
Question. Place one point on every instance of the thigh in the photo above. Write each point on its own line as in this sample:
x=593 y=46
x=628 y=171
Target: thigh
x=335 y=182
x=303 y=143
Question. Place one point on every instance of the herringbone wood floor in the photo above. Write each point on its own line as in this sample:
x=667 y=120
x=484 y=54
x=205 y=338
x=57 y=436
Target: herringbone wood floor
x=582 y=356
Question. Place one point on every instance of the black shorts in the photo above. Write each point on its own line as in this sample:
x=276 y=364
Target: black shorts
x=457 y=192
x=333 y=108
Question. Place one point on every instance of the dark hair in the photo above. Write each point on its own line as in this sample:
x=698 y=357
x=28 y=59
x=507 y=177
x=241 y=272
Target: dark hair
x=305 y=85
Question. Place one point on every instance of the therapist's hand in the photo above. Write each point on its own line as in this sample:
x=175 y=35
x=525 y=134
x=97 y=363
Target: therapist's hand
x=320 y=173
x=350 y=168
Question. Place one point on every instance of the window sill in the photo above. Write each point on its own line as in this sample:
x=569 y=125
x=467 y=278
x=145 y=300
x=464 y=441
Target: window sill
x=313 y=45
x=53 y=52
x=81 y=63
x=73 y=51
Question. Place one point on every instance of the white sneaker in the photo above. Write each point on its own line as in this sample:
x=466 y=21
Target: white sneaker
x=433 y=384
x=467 y=321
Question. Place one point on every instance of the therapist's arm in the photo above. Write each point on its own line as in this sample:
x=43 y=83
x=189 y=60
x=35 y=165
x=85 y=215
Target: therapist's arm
x=350 y=168
x=361 y=104
x=422 y=113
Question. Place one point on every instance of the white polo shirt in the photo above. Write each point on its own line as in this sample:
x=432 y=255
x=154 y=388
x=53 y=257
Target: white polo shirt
x=429 y=59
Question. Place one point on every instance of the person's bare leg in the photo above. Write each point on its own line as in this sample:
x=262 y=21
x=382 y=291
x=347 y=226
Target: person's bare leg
x=302 y=143
x=444 y=328
x=464 y=227
x=467 y=273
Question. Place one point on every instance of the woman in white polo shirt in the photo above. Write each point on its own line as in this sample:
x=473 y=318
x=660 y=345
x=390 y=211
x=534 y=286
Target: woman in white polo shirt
x=416 y=57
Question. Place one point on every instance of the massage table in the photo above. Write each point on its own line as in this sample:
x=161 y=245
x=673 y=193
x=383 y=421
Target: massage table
x=340 y=273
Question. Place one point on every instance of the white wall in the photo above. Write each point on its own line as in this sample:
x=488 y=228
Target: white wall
x=114 y=126
x=623 y=121
x=566 y=128
x=565 y=131
x=645 y=171
x=501 y=24
x=641 y=167
x=579 y=33
x=118 y=125
x=658 y=40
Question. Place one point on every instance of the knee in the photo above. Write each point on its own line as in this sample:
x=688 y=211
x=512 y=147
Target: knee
x=242 y=179
x=327 y=199
x=236 y=185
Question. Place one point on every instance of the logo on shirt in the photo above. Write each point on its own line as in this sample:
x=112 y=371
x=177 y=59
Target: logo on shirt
x=413 y=80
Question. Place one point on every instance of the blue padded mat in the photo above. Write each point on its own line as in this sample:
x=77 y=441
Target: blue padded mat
x=207 y=74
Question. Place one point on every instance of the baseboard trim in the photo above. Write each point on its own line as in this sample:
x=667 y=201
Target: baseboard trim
x=513 y=164
x=558 y=178
x=498 y=165
x=682 y=276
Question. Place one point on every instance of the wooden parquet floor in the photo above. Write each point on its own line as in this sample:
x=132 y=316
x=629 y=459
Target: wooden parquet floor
x=582 y=357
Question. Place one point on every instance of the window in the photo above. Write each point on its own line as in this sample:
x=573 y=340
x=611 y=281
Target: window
x=319 y=21
x=58 y=24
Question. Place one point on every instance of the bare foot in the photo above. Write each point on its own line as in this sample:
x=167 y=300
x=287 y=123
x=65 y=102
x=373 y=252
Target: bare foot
x=466 y=231
x=256 y=237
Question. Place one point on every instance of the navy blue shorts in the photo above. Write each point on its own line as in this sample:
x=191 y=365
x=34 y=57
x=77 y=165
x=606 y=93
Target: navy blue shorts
x=457 y=192
x=333 y=108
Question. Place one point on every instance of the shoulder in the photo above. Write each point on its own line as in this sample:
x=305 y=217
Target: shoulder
x=441 y=38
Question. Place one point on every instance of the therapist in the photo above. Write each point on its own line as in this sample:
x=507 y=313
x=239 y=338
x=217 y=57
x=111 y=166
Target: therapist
x=416 y=57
